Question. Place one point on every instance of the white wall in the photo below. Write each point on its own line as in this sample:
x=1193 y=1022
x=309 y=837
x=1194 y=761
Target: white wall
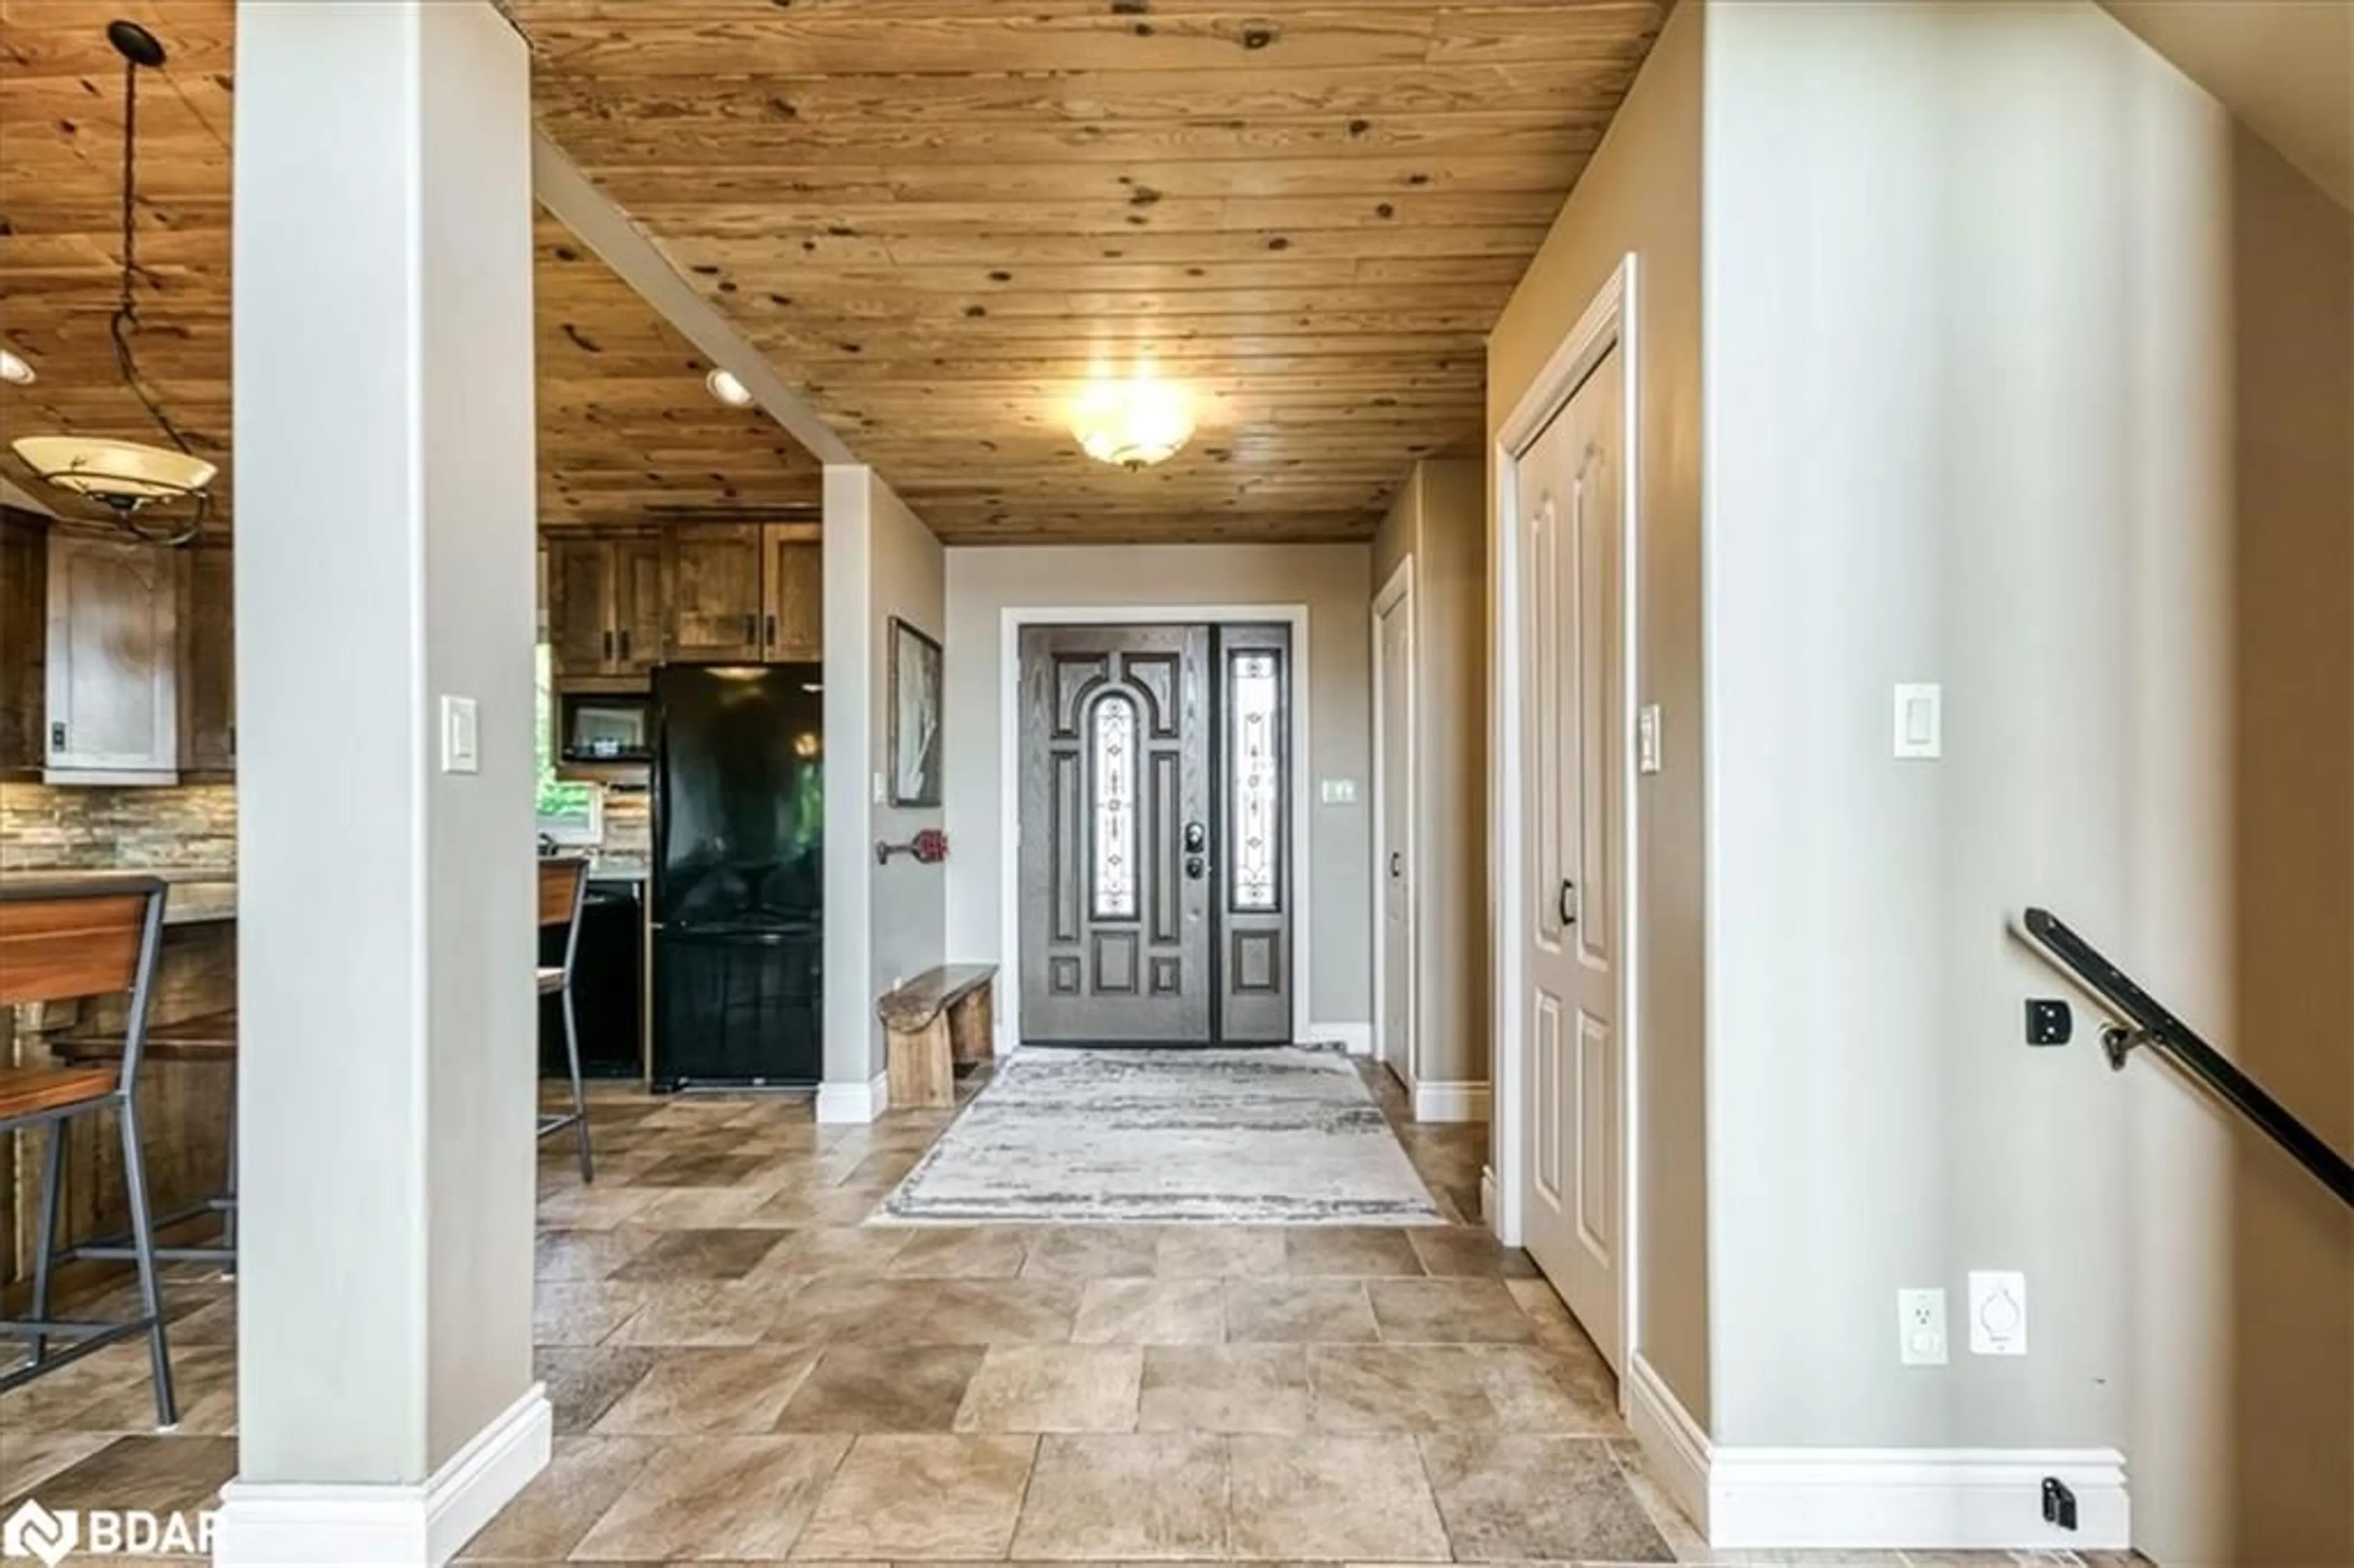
x=1331 y=580
x=884 y=924
x=2027 y=374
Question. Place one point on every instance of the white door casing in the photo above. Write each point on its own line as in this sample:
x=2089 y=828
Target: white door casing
x=1396 y=871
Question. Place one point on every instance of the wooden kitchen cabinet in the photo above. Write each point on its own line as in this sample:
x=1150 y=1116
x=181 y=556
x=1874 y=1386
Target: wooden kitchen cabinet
x=207 y=662
x=715 y=608
x=793 y=590
x=23 y=642
x=606 y=606
x=113 y=704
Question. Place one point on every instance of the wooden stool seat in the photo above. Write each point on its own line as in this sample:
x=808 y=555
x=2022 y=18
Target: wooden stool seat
x=207 y=1037
x=31 y=1091
x=933 y=1022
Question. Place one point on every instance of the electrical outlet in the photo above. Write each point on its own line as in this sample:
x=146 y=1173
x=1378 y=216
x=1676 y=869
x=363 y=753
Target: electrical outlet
x=1920 y=1327
x=1998 y=1312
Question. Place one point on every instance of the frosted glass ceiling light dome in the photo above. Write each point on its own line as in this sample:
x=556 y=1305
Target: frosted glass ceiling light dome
x=724 y=386
x=14 y=370
x=1133 y=423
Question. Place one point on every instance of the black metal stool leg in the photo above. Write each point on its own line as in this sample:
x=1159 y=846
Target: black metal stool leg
x=142 y=1239
x=45 y=1234
x=579 y=1096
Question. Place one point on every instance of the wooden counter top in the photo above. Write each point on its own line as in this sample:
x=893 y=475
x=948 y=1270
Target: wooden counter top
x=199 y=895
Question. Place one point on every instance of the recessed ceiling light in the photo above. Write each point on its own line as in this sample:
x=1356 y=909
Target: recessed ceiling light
x=728 y=389
x=14 y=370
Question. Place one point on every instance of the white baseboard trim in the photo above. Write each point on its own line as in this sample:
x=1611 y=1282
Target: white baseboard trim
x=1948 y=1499
x=1450 y=1100
x=286 y=1522
x=1357 y=1039
x=854 y=1102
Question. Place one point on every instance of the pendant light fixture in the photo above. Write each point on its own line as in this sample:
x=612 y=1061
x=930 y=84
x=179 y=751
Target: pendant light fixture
x=157 y=494
x=1133 y=423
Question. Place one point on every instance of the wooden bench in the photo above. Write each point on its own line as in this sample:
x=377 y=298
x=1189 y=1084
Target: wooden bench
x=932 y=1022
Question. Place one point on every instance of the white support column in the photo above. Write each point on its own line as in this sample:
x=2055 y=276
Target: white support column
x=854 y=1088
x=385 y=506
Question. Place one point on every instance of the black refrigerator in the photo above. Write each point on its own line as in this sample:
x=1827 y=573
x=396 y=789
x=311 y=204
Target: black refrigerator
x=738 y=875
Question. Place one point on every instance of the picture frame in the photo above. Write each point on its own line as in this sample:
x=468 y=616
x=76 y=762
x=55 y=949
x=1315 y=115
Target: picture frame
x=916 y=708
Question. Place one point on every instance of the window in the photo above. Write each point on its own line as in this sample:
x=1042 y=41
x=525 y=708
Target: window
x=1255 y=781
x=569 y=813
x=1115 y=808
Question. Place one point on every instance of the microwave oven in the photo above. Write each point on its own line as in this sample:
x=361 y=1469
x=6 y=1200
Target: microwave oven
x=606 y=726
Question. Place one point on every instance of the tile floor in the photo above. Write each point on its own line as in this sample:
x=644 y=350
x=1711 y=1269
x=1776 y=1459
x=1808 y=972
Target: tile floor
x=740 y=1371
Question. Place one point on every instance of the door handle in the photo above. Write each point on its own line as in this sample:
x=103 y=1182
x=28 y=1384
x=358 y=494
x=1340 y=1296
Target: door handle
x=1397 y=865
x=751 y=628
x=1195 y=867
x=1197 y=838
x=1568 y=906
x=625 y=643
x=772 y=631
x=609 y=644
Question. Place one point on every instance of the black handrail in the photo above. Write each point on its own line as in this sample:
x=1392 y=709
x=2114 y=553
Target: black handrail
x=2154 y=1026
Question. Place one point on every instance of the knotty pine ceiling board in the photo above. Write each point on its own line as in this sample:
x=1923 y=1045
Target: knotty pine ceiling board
x=627 y=432
x=938 y=218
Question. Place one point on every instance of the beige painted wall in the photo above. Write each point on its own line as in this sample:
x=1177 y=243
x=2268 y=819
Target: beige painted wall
x=1641 y=193
x=1330 y=579
x=2048 y=402
x=1440 y=520
x=884 y=924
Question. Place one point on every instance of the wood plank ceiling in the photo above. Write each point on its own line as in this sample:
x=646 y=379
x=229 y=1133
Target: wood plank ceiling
x=941 y=216
x=628 y=433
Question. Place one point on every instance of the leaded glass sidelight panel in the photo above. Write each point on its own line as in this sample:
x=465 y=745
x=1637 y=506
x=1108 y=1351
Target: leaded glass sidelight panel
x=1255 y=779
x=1112 y=807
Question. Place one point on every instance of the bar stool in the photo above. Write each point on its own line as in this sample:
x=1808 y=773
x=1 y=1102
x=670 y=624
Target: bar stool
x=62 y=943
x=563 y=885
x=208 y=1037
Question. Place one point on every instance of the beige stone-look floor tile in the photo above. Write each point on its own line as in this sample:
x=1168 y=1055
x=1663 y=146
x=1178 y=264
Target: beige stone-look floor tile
x=204 y=1384
x=1152 y=1312
x=163 y=1472
x=1512 y=1498
x=715 y=1496
x=1219 y=1252
x=1000 y=1311
x=1398 y=1388
x=1333 y=1498
x=1054 y=1388
x=709 y=1391
x=584 y=1313
x=844 y=1310
x=585 y=1254
x=826 y=1250
x=1223 y=1388
x=984 y=1252
x=1295 y=1311
x=1535 y=1391
x=701 y=1208
x=1448 y=1250
x=597 y=1208
x=883 y=1388
x=923 y=1498
x=585 y=1476
x=28 y=1458
x=705 y=1312
x=1093 y=1251
x=584 y=1382
x=1447 y=1312
x=1126 y=1498
x=698 y=1254
x=1348 y=1251
x=826 y=1207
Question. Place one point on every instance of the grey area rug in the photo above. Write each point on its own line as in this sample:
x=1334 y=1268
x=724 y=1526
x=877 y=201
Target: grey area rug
x=1061 y=1137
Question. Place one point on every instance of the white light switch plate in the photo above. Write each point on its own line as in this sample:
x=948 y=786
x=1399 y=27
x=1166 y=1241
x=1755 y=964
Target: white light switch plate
x=1998 y=1312
x=1920 y=1327
x=882 y=789
x=462 y=749
x=1339 y=791
x=1647 y=740
x=1920 y=721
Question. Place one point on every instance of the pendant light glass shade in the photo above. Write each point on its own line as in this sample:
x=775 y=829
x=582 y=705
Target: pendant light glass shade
x=1134 y=423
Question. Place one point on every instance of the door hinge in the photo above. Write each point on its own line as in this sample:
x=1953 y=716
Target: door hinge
x=58 y=736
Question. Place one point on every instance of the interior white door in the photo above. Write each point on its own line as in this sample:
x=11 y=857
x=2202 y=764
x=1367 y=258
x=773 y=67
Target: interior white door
x=1399 y=879
x=1573 y=743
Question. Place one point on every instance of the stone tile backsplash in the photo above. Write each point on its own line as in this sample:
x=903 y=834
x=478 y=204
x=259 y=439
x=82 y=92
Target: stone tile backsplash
x=629 y=824
x=93 y=826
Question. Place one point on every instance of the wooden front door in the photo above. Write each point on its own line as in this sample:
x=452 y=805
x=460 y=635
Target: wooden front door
x=1155 y=835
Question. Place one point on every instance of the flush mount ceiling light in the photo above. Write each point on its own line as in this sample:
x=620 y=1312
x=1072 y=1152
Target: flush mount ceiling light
x=14 y=370
x=728 y=389
x=1134 y=423
x=155 y=494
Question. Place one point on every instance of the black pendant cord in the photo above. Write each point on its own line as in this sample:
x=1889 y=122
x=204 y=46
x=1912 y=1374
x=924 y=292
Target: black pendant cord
x=125 y=319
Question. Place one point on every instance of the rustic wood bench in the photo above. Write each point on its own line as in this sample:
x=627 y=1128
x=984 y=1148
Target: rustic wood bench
x=932 y=1022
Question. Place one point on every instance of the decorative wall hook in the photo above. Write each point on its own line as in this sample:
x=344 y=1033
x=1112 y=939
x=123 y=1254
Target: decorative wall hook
x=929 y=847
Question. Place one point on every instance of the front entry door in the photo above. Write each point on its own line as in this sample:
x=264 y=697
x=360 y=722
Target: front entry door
x=1572 y=722
x=1155 y=835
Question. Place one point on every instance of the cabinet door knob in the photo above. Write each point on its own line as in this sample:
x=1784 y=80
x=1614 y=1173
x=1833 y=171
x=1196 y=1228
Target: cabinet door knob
x=772 y=631
x=625 y=643
x=609 y=644
x=751 y=628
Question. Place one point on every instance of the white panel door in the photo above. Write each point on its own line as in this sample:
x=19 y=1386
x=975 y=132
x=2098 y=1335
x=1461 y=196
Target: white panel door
x=1397 y=883
x=1572 y=756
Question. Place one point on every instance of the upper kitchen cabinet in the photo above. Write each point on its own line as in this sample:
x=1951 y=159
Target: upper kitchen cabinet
x=716 y=613
x=23 y=643
x=606 y=606
x=113 y=705
x=792 y=586
x=207 y=661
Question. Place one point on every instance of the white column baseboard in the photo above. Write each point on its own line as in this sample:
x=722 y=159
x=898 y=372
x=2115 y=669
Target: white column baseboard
x=1446 y=1099
x=1949 y=1499
x=855 y=1102
x=1357 y=1039
x=286 y=1522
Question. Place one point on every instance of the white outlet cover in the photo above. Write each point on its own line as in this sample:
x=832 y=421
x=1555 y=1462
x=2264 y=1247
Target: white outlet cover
x=1920 y=722
x=1920 y=1327
x=462 y=750
x=1647 y=738
x=1998 y=1312
x=1339 y=791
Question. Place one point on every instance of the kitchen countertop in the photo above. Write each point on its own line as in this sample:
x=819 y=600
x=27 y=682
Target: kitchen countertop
x=199 y=894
